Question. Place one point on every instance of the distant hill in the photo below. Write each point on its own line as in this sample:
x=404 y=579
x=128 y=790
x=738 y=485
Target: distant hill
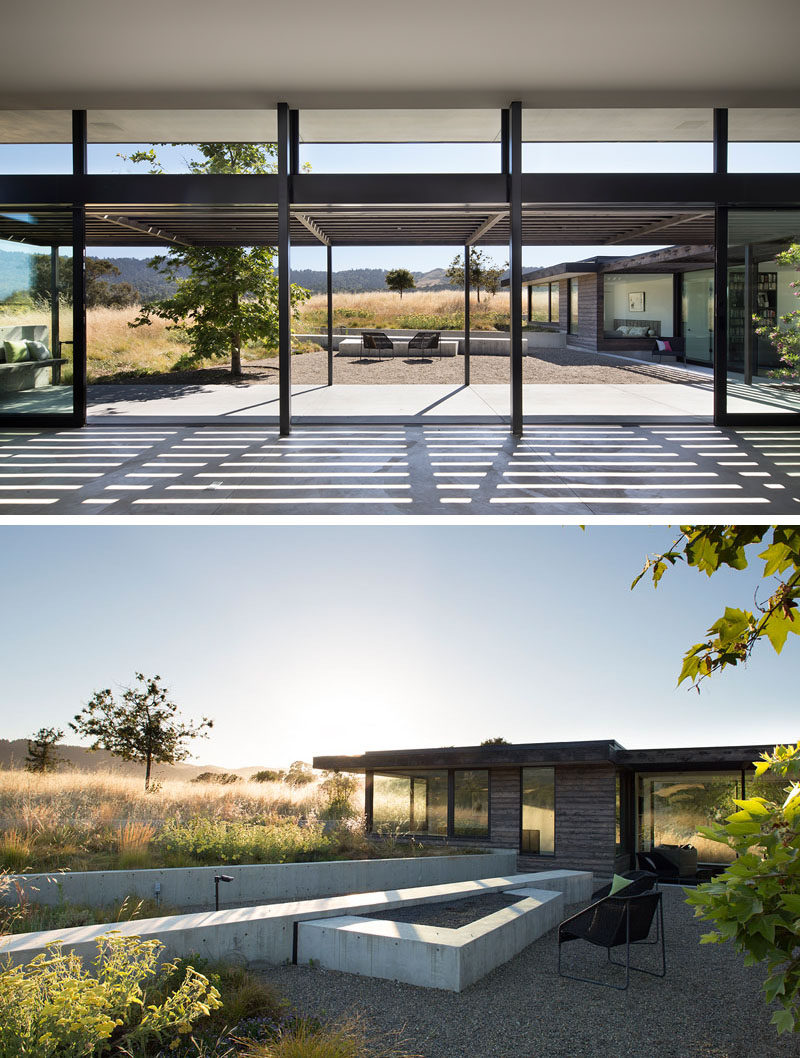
x=12 y=755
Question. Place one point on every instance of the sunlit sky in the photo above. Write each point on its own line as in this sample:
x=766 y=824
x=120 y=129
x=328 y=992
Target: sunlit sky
x=429 y=157
x=306 y=640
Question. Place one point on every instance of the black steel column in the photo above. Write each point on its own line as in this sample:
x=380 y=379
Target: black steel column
x=530 y=302
x=515 y=263
x=79 y=313
x=466 y=316
x=294 y=142
x=720 y=273
x=720 y=314
x=505 y=153
x=750 y=287
x=368 y=800
x=55 y=337
x=284 y=276
x=79 y=143
x=720 y=140
x=329 y=262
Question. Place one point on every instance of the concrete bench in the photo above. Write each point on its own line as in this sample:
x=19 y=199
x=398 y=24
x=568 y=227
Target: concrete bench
x=27 y=374
x=352 y=347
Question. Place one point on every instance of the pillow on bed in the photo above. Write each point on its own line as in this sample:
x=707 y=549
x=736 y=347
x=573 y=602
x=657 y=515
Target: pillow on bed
x=623 y=330
x=38 y=351
x=16 y=352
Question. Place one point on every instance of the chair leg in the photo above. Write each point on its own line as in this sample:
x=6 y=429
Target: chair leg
x=592 y=980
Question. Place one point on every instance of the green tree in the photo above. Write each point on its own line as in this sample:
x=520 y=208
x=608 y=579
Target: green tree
x=755 y=902
x=299 y=773
x=99 y=291
x=482 y=273
x=142 y=725
x=400 y=279
x=784 y=334
x=495 y=742
x=42 y=755
x=229 y=299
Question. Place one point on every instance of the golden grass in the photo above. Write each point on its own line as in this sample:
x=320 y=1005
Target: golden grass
x=382 y=308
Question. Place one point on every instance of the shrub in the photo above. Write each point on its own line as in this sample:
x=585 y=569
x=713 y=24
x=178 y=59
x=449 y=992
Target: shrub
x=338 y=790
x=310 y=1038
x=55 y=1007
x=268 y=775
x=209 y=841
x=299 y=774
x=15 y=851
x=134 y=845
x=224 y=778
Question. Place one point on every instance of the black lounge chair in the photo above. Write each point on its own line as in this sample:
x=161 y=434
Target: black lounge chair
x=641 y=882
x=612 y=922
x=423 y=342
x=375 y=341
x=672 y=863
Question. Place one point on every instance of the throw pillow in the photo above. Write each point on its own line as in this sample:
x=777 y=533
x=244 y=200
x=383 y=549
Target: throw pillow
x=16 y=352
x=38 y=351
x=618 y=883
x=623 y=330
x=661 y=346
x=667 y=347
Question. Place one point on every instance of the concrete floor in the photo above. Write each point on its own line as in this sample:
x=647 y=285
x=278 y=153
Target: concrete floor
x=687 y=472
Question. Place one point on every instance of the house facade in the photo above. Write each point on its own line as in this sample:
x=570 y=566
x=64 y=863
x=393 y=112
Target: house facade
x=571 y=805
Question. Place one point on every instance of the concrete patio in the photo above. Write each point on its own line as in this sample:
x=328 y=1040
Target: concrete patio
x=688 y=471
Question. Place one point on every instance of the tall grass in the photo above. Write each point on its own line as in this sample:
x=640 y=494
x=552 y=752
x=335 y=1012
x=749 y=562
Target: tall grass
x=421 y=309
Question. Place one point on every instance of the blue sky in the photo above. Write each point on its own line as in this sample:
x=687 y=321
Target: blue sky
x=432 y=157
x=309 y=640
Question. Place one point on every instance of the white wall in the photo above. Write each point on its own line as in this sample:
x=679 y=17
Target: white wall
x=657 y=299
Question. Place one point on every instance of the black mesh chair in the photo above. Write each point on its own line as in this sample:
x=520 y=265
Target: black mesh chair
x=641 y=882
x=375 y=342
x=422 y=343
x=612 y=922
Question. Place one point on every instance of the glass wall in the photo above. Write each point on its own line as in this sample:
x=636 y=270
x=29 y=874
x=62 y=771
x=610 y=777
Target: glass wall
x=543 y=303
x=35 y=313
x=471 y=803
x=672 y=806
x=617 y=140
x=697 y=315
x=763 y=312
x=35 y=141
x=410 y=804
x=765 y=140
x=538 y=811
x=638 y=305
x=572 y=306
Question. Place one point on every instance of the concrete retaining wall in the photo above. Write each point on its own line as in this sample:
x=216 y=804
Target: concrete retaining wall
x=264 y=935
x=192 y=888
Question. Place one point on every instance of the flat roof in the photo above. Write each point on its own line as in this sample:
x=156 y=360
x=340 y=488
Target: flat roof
x=517 y=754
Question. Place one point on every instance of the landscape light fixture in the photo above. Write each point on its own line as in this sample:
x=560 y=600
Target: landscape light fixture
x=217 y=879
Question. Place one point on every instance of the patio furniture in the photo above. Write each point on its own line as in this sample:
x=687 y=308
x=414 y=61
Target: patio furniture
x=423 y=342
x=375 y=341
x=641 y=882
x=677 y=348
x=612 y=922
x=672 y=863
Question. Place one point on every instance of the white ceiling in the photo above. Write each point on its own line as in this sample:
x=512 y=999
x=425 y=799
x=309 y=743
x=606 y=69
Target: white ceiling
x=320 y=54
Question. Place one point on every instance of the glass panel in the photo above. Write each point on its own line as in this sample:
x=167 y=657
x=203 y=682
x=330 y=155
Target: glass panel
x=764 y=140
x=540 y=304
x=538 y=811
x=573 y=306
x=639 y=300
x=115 y=135
x=618 y=822
x=697 y=315
x=554 y=302
x=415 y=804
x=617 y=140
x=35 y=141
x=35 y=321
x=672 y=807
x=763 y=316
x=400 y=141
x=471 y=804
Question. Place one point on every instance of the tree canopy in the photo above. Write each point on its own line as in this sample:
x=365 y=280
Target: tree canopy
x=400 y=279
x=482 y=273
x=229 y=297
x=42 y=756
x=141 y=725
x=100 y=293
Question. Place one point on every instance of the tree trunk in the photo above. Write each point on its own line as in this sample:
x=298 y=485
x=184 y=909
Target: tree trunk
x=147 y=772
x=236 y=343
x=401 y=293
x=479 y=294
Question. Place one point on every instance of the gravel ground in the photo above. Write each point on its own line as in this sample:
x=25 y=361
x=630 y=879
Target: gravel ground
x=708 y=1005
x=561 y=366
x=450 y=916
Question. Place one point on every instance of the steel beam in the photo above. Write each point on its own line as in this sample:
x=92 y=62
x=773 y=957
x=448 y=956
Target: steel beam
x=80 y=139
x=79 y=314
x=329 y=278
x=294 y=142
x=515 y=263
x=721 y=315
x=313 y=227
x=134 y=225
x=284 y=276
x=720 y=140
x=487 y=225
x=466 y=317
x=55 y=340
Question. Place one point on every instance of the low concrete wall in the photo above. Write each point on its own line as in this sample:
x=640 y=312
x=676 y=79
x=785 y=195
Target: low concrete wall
x=192 y=888
x=483 y=343
x=264 y=935
x=352 y=347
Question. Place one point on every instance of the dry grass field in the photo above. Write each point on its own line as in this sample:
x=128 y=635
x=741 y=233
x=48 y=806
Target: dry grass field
x=115 y=350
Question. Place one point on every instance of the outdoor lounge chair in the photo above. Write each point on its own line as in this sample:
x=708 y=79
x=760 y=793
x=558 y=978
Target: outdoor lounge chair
x=641 y=882
x=612 y=922
x=375 y=342
x=423 y=342
x=672 y=863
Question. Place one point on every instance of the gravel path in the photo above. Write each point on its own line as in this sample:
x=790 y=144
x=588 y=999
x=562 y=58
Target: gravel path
x=708 y=1005
x=450 y=916
x=562 y=366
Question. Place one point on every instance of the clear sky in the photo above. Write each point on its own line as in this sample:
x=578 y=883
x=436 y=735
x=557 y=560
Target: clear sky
x=305 y=640
x=430 y=157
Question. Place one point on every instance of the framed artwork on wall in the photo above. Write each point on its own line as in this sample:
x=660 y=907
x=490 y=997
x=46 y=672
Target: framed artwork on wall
x=636 y=301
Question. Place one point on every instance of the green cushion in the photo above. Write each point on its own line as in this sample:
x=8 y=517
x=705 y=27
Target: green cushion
x=618 y=883
x=15 y=351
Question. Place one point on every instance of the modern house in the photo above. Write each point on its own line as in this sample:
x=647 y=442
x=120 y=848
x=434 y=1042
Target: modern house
x=572 y=805
x=625 y=304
